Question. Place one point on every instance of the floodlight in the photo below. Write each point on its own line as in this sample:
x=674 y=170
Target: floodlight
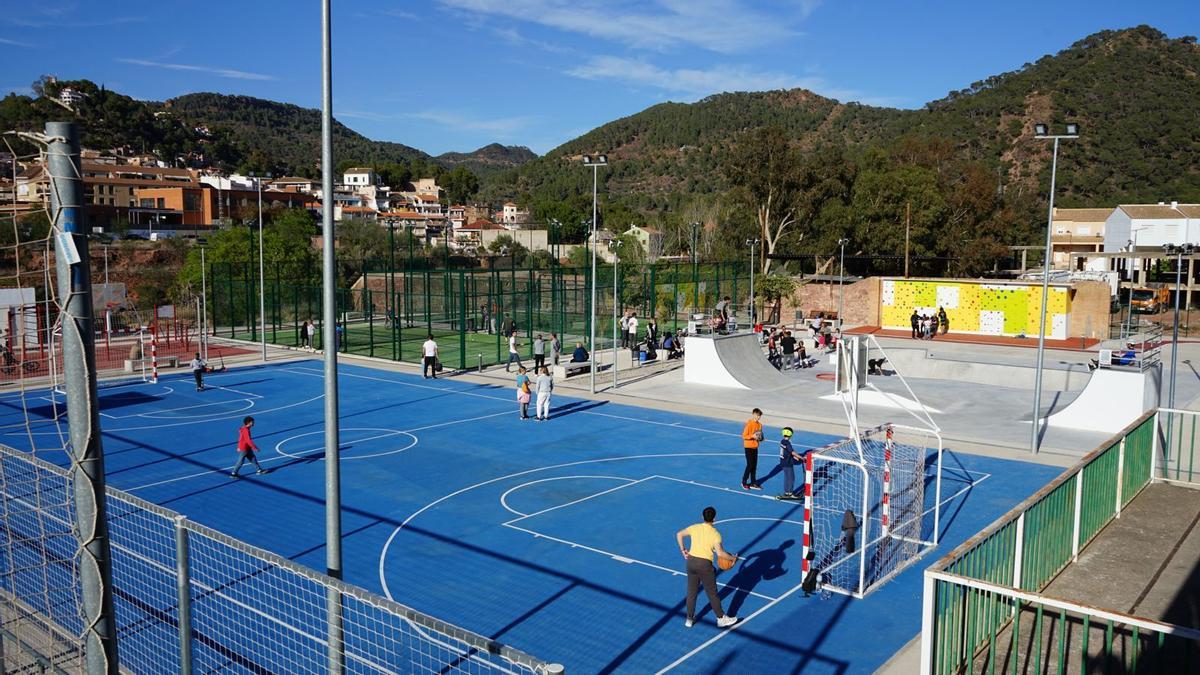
x=1073 y=129
x=1040 y=130
x=587 y=159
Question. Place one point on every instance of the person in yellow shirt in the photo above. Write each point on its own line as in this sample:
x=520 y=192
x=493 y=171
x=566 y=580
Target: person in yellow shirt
x=752 y=435
x=705 y=540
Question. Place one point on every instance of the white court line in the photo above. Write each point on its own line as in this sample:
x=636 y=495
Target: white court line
x=581 y=499
x=718 y=487
x=625 y=559
x=392 y=537
x=283 y=457
x=708 y=643
x=504 y=497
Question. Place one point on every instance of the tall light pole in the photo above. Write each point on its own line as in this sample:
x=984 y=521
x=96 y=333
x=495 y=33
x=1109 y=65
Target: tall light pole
x=752 y=243
x=1178 y=251
x=1042 y=131
x=595 y=162
x=842 y=286
x=614 y=246
x=262 y=284
x=695 y=269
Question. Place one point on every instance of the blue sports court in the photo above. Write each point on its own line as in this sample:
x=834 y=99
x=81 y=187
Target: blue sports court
x=557 y=538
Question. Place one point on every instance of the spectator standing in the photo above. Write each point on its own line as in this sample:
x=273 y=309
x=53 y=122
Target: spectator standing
x=429 y=357
x=523 y=392
x=915 y=320
x=943 y=320
x=539 y=353
x=788 y=344
x=544 y=387
x=310 y=332
x=555 y=348
x=624 y=326
x=632 y=325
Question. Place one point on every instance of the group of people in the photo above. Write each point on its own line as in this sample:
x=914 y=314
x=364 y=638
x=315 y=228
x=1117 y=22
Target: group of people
x=705 y=541
x=540 y=345
x=784 y=351
x=926 y=326
x=541 y=384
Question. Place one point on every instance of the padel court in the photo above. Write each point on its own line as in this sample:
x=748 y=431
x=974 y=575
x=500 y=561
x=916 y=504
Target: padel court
x=554 y=537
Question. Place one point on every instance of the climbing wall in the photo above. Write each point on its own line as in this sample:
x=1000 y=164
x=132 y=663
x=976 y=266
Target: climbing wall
x=987 y=308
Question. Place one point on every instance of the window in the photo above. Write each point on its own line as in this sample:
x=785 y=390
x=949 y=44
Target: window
x=146 y=203
x=191 y=201
x=1085 y=230
x=162 y=203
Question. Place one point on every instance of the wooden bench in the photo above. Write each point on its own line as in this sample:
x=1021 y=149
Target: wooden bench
x=566 y=369
x=132 y=365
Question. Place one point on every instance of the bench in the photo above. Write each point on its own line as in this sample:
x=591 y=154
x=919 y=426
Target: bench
x=132 y=365
x=566 y=369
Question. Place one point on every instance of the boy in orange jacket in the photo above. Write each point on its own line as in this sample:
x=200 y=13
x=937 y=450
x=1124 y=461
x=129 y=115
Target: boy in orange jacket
x=752 y=435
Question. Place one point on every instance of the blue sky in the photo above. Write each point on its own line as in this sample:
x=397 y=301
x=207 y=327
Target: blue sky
x=445 y=75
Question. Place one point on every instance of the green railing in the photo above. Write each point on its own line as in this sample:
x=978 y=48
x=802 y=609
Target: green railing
x=978 y=595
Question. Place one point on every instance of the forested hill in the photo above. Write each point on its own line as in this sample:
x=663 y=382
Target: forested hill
x=1134 y=92
x=272 y=133
x=237 y=133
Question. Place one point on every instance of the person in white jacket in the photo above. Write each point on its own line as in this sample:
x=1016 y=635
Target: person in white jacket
x=544 y=386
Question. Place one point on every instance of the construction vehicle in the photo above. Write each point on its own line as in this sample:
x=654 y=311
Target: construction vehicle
x=1149 y=299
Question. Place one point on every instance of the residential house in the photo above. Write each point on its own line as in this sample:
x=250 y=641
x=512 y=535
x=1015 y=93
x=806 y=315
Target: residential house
x=359 y=177
x=650 y=238
x=1145 y=227
x=1075 y=233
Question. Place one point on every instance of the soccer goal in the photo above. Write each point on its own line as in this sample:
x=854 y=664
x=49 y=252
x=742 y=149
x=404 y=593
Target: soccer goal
x=871 y=501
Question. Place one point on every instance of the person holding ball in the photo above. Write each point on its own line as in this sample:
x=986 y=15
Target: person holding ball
x=705 y=540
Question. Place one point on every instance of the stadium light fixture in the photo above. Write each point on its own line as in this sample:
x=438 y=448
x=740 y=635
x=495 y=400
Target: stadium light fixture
x=595 y=162
x=1041 y=131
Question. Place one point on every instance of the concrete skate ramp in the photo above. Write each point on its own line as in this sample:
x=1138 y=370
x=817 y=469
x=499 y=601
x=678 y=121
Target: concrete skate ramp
x=1110 y=401
x=1018 y=373
x=735 y=361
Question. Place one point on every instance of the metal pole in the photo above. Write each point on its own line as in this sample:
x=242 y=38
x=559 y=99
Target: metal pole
x=183 y=587
x=262 y=289
x=1041 y=348
x=616 y=301
x=79 y=370
x=1175 y=329
x=842 y=288
x=592 y=304
x=203 y=307
x=333 y=479
x=106 y=269
x=753 y=242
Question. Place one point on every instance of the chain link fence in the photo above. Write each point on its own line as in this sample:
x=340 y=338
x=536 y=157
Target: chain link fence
x=188 y=598
x=388 y=312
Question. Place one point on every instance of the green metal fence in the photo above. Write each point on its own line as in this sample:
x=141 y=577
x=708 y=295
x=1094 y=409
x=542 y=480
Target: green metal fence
x=387 y=312
x=984 y=611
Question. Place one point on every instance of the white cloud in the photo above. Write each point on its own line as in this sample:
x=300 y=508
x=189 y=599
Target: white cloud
x=453 y=120
x=691 y=81
x=211 y=70
x=14 y=43
x=723 y=26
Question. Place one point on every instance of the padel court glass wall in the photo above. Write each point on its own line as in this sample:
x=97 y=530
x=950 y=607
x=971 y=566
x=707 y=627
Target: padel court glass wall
x=387 y=312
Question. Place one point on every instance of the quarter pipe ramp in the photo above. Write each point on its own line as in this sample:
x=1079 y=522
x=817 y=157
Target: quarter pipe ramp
x=735 y=361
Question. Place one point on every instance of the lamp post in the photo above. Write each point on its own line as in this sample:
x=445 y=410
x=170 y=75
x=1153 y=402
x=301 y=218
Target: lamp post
x=842 y=285
x=752 y=243
x=1132 y=246
x=614 y=246
x=595 y=162
x=262 y=284
x=1042 y=131
x=695 y=269
x=1178 y=251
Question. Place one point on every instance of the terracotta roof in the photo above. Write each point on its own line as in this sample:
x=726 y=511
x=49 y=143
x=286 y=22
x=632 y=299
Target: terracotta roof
x=1083 y=215
x=1163 y=211
x=293 y=179
x=358 y=209
x=358 y=169
x=509 y=204
x=481 y=224
x=428 y=198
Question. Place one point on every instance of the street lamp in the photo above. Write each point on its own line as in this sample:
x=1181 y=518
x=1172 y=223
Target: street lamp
x=1042 y=131
x=1178 y=251
x=695 y=268
x=842 y=286
x=613 y=246
x=752 y=243
x=594 y=161
x=262 y=286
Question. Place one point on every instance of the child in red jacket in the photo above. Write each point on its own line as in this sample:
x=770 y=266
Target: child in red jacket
x=246 y=448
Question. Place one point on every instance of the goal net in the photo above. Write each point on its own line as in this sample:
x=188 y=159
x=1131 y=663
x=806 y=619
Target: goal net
x=866 y=512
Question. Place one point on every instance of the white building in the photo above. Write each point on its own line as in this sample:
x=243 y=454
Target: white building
x=1146 y=227
x=359 y=177
x=71 y=97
